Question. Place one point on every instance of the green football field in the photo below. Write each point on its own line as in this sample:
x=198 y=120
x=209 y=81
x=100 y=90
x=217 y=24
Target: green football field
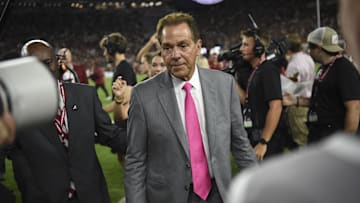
x=112 y=169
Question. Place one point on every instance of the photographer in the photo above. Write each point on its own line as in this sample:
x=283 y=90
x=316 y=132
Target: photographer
x=262 y=106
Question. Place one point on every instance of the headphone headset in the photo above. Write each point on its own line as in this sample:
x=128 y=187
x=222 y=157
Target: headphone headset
x=114 y=45
x=24 y=49
x=259 y=48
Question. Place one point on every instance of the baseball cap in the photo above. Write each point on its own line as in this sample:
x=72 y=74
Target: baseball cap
x=326 y=38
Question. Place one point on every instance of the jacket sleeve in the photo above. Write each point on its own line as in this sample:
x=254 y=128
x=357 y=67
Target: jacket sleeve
x=106 y=132
x=136 y=154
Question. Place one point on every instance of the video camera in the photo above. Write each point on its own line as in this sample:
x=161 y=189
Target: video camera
x=29 y=91
x=274 y=52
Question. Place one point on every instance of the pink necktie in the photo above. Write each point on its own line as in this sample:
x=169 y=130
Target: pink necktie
x=199 y=166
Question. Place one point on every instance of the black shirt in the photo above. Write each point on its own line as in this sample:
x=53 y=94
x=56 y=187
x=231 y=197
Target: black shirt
x=263 y=87
x=125 y=70
x=340 y=84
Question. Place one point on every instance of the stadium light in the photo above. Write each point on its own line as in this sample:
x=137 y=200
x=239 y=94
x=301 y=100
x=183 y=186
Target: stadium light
x=208 y=2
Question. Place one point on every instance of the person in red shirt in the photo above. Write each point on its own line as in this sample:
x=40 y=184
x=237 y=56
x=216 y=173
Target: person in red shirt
x=97 y=75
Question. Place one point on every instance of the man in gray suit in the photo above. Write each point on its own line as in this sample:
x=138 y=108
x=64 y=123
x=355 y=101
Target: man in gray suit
x=182 y=125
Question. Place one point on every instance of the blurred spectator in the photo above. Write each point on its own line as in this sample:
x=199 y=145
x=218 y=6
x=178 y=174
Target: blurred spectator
x=97 y=75
x=300 y=68
x=68 y=74
x=213 y=59
x=335 y=99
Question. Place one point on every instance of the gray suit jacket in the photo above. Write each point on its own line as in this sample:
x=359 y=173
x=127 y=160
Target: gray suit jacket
x=157 y=159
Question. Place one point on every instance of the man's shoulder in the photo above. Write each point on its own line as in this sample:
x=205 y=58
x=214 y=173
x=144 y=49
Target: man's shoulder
x=124 y=64
x=212 y=74
x=78 y=87
x=342 y=63
x=269 y=66
x=151 y=83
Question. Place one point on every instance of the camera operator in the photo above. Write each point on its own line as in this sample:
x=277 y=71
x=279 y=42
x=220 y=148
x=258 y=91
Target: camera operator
x=262 y=105
x=237 y=67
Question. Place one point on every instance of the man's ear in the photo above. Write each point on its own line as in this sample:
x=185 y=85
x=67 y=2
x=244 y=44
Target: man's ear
x=198 y=46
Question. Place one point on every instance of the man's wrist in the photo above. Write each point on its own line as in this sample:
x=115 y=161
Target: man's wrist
x=118 y=100
x=263 y=141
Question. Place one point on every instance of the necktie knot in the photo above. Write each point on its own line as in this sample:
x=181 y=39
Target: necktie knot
x=187 y=86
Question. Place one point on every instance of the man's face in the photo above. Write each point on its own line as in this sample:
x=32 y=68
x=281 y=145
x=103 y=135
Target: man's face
x=64 y=56
x=179 y=50
x=314 y=52
x=157 y=65
x=247 y=48
x=144 y=66
x=107 y=56
x=46 y=56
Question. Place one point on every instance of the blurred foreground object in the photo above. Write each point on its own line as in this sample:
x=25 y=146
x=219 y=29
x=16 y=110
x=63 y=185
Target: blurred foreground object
x=325 y=172
x=28 y=91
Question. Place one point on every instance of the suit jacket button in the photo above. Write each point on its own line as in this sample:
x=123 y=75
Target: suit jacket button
x=186 y=188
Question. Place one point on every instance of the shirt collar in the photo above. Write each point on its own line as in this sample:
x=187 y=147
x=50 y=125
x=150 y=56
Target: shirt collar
x=194 y=80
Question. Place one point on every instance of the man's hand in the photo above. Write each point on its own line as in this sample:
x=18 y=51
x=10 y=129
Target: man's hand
x=118 y=88
x=7 y=128
x=260 y=150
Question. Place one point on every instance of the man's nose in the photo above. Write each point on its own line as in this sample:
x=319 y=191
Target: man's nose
x=175 y=53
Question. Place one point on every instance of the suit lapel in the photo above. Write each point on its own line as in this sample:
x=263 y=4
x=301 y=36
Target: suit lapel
x=209 y=94
x=71 y=109
x=168 y=101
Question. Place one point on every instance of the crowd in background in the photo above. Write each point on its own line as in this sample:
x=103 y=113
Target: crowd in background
x=81 y=30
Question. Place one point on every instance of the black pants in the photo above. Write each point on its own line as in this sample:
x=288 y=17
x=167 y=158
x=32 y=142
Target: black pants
x=6 y=195
x=213 y=197
x=318 y=132
x=2 y=163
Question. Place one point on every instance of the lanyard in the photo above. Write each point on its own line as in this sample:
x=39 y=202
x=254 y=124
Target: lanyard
x=250 y=80
x=320 y=77
x=323 y=75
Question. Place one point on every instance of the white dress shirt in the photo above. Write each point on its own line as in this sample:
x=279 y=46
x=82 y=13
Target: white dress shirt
x=196 y=93
x=303 y=64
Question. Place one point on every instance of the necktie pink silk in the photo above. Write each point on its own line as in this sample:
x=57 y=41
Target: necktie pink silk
x=199 y=166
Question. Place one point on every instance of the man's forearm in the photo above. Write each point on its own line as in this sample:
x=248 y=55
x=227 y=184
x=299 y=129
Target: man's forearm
x=272 y=119
x=352 y=114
